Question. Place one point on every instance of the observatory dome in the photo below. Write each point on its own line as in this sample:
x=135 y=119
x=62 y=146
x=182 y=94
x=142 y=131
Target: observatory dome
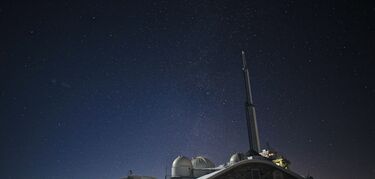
x=182 y=167
x=236 y=158
x=202 y=162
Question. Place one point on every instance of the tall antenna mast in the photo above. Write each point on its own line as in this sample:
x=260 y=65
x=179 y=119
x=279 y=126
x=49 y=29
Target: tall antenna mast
x=252 y=127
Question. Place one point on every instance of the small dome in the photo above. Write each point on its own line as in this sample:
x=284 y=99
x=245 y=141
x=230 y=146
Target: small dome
x=236 y=158
x=181 y=167
x=182 y=161
x=202 y=162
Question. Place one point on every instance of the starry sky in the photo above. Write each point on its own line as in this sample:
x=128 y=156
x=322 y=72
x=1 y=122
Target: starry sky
x=93 y=89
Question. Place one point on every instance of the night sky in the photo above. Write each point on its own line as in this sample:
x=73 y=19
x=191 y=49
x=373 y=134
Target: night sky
x=93 y=89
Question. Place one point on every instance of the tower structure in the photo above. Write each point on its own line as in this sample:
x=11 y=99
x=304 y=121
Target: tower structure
x=251 y=120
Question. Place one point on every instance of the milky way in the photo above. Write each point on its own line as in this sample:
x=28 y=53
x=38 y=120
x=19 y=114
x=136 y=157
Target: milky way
x=95 y=89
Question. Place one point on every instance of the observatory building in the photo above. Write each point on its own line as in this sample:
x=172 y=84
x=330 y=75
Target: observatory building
x=254 y=164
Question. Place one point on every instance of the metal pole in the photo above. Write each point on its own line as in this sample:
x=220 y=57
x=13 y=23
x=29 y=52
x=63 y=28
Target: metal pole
x=252 y=127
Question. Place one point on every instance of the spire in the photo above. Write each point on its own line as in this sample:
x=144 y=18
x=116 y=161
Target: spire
x=252 y=127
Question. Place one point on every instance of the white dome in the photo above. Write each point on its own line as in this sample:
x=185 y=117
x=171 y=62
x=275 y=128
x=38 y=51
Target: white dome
x=202 y=162
x=236 y=158
x=182 y=161
x=181 y=167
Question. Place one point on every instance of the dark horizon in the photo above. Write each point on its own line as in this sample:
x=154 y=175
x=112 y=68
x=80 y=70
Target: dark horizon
x=95 y=89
